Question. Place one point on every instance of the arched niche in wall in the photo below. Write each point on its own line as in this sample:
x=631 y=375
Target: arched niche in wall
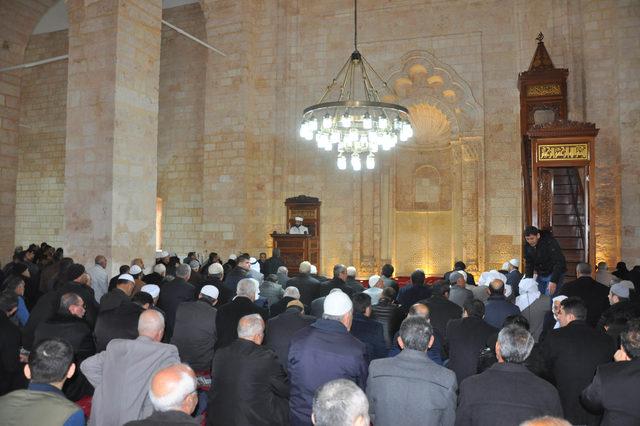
x=433 y=171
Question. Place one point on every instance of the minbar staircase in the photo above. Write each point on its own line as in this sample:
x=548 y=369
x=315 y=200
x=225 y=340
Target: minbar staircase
x=568 y=224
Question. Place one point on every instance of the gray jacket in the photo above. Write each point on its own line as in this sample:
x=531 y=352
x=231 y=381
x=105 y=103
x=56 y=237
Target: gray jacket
x=459 y=295
x=535 y=313
x=271 y=291
x=121 y=376
x=410 y=389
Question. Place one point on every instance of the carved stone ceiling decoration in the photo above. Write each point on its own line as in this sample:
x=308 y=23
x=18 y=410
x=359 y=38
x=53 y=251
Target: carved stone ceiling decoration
x=430 y=125
x=440 y=102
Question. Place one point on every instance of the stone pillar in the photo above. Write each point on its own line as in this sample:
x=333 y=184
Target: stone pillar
x=231 y=215
x=112 y=122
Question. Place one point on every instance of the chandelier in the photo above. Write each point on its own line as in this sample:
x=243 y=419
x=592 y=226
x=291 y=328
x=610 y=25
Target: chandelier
x=356 y=121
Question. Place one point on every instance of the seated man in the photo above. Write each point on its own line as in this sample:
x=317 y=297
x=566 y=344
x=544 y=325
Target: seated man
x=521 y=396
x=50 y=365
x=121 y=322
x=613 y=391
x=367 y=330
x=261 y=395
x=466 y=337
x=410 y=388
x=497 y=307
x=340 y=403
x=241 y=305
x=195 y=331
x=68 y=324
x=173 y=395
x=322 y=352
x=122 y=373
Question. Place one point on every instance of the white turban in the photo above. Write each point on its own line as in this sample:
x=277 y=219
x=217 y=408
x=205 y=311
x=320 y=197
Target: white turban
x=529 y=293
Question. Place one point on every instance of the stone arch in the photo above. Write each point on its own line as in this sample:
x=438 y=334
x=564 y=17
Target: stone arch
x=17 y=21
x=441 y=103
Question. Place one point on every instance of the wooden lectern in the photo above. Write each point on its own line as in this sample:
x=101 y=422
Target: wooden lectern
x=297 y=248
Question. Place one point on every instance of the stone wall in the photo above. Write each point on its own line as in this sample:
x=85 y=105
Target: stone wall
x=229 y=152
x=40 y=186
x=180 y=125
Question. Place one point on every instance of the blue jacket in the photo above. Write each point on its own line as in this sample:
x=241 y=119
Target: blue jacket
x=371 y=333
x=410 y=294
x=322 y=352
x=497 y=309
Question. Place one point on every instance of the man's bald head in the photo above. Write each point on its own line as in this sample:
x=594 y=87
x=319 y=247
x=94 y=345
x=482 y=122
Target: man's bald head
x=151 y=324
x=496 y=287
x=419 y=310
x=174 y=389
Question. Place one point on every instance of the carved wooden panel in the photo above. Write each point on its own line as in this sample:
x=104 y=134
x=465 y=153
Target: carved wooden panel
x=545 y=198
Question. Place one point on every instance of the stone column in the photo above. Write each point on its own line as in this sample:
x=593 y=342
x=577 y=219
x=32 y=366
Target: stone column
x=231 y=216
x=112 y=122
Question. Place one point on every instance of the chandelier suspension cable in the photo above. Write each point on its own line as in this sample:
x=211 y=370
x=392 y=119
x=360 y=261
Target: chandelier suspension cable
x=355 y=25
x=357 y=124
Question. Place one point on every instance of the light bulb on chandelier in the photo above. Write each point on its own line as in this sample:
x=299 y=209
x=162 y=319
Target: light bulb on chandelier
x=357 y=122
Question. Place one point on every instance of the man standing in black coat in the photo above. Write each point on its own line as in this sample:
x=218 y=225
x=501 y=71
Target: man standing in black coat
x=544 y=256
x=251 y=387
x=466 y=338
x=520 y=395
x=118 y=295
x=281 y=329
x=241 y=305
x=614 y=389
x=594 y=295
x=308 y=286
x=121 y=322
x=237 y=273
x=441 y=309
x=274 y=262
x=172 y=294
x=69 y=325
x=194 y=333
x=571 y=354
x=79 y=282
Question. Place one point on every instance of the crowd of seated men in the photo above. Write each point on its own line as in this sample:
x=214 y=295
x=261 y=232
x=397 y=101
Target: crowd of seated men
x=198 y=341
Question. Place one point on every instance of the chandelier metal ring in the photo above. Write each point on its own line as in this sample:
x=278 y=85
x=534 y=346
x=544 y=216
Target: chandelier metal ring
x=355 y=104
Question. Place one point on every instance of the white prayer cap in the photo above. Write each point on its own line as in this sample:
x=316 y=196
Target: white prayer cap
x=337 y=304
x=515 y=262
x=298 y=219
x=628 y=284
x=373 y=280
x=335 y=290
x=254 y=264
x=559 y=298
x=135 y=270
x=215 y=268
x=528 y=285
x=161 y=253
x=313 y=270
x=232 y=256
x=495 y=275
x=505 y=266
x=151 y=289
x=211 y=291
x=484 y=279
x=126 y=277
x=194 y=264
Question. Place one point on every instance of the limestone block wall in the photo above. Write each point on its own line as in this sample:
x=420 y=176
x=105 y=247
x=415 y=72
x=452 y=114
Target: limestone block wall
x=180 y=126
x=40 y=183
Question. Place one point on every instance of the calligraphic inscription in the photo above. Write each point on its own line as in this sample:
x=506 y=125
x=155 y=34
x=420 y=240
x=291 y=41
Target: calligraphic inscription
x=551 y=89
x=574 y=151
x=303 y=213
